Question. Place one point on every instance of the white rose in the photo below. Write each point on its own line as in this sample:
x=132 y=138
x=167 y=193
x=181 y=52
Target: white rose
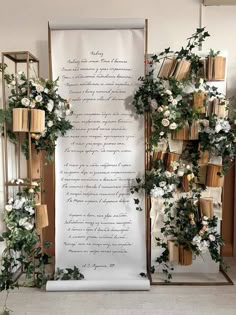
x=50 y=123
x=35 y=184
x=8 y=208
x=162 y=184
x=32 y=104
x=196 y=239
x=188 y=167
x=46 y=90
x=60 y=105
x=205 y=218
x=212 y=237
x=204 y=222
x=167 y=113
x=38 y=98
x=31 y=191
x=178 y=98
x=12 y=181
x=68 y=112
x=174 y=102
x=168 y=92
x=218 y=128
x=153 y=104
x=39 y=88
x=160 y=109
x=23 y=90
x=25 y=101
x=30 y=210
x=173 y=126
x=10 y=201
x=165 y=122
x=162 y=133
x=13 y=82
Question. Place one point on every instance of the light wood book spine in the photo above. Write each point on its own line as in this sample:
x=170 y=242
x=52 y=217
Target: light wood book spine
x=213 y=179
x=199 y=102
x=20 y=120
x=173 y=251
x=171 y=157
x=185 y=256
x=41 y=215
x=37 y=120
x=206 y=207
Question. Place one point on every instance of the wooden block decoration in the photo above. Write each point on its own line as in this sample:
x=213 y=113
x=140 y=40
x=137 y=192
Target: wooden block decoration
x=41 y=216
x=167 y=67
x=202 y=174
x=182 y=69
x=187 y=132
x=159 y=155
x=209 y=70
x=185 y=183
x=219 y=68
x=199 y=102
x=193 y=130
x=213 y=179
x=173 y=251
x=204 y=157
x=181 y=134
x=171 y=157
x=20 y=120
x=185 y=256
x=219 y=110
x=206 y=207
x=37 y=120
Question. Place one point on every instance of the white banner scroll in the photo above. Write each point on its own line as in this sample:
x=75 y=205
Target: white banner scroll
x=97 y=226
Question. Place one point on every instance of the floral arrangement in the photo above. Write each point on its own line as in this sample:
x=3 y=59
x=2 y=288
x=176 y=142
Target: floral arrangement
x=38 y=93
x=218 y=137
x=170 y=103
x=22 y=243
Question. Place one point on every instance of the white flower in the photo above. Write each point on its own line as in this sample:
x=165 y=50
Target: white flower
x=19 y=181
x=30 y=210
x=167 y=113
x=50 y=123
x=39 y=88
x=162 y=184
x=174 y=102
x=188 y=167
x=18 y=203
x=204 y=222
x=60 y=105
x=201 y=81
x=23 y=90
x=58 y=113
x=68 y=112
x=22 y=221
x=2 y=268
x=28 y=226
x=31 y=190
x=12 y=181
x=38 y=98
x=170 y=99
x=32 y=104
x=153 y=104
x=197 y=239
x=178 y=98
x=35 y=184
x=8 y=208
x=180 y=172
x=165 y=122
x=50 y=105
x=212 y=237
x=205 y=218
x=157 y=192
x=46 y=90
x=25 y=101
x=13 y=82
x=173 y=126
x=168 y=174
x=168 y=92
x=162 y=133
x=160 y=109
x=10 y=201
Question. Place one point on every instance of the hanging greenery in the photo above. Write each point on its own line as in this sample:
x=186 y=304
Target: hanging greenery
x=38 y=93
x=183 y=106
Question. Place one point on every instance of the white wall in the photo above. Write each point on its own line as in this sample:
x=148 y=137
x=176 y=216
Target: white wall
x=23 y=25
